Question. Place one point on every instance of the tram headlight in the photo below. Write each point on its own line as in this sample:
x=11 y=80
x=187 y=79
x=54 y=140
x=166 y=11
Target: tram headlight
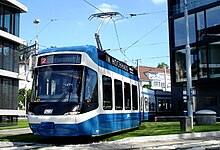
x=71 y=113
x=74 y=111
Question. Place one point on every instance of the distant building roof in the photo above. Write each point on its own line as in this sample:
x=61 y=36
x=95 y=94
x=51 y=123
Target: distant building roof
x=144 y=69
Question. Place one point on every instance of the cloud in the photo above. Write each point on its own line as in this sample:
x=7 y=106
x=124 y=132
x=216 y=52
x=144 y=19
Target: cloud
x=107 y=8
x=158 y=1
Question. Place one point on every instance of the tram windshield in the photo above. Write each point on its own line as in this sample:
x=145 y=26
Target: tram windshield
x=57 y=84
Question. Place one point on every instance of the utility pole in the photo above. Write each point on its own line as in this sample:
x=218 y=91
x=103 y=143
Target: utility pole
x=165 y=78
x=188 y=71
x=140 y=87
x=137 y=62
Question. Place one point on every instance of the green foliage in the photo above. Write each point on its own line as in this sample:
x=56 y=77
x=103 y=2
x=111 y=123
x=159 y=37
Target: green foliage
x=21 y=97
x=22 y=123
x=160 y=128
x=162 y=65
x=147 y=86
x=145 y=129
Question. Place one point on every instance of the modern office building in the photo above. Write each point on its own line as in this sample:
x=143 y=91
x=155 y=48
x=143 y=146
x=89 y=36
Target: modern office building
x=9 y=57
x=204 y=35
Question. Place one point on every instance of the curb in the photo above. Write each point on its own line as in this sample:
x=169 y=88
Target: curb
x=171 y=136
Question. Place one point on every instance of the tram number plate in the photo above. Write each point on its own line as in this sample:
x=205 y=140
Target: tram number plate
x=47 y=125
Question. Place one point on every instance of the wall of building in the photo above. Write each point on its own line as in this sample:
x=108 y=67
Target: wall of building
x=209 y=96
x=9 y=53
x=204 y=30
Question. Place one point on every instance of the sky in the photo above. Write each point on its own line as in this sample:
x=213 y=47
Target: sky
x=143 y=37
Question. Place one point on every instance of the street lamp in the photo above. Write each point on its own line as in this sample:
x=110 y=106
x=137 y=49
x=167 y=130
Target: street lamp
x=36 y=21
x=188 y=71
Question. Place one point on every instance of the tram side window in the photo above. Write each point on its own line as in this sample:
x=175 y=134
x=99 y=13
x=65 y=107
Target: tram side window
x=118 y=95
x=107 y=92
x=91 y=86
x=90 y=99
x=134 y=98
x=164 y=104
x=127 y=96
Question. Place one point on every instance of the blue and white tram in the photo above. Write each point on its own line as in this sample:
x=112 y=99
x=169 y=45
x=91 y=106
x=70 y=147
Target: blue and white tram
x=148 y=104
x=80 y=91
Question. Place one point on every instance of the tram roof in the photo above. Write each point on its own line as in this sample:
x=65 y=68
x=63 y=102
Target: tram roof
x=89 y=49
x=94 y=54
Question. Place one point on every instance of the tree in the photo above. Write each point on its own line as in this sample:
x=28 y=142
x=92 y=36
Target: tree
x=162 y=65
x=21 y=97
x=147 y=86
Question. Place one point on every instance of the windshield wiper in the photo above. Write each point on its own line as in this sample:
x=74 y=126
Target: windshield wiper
x=62 y=97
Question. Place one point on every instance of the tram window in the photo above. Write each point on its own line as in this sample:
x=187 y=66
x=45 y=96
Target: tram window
x=90 y=99
x=107 y=92
x=134 y=97
x=127 y=96
x=91 y=86
x=164 y=104
x=118 y=95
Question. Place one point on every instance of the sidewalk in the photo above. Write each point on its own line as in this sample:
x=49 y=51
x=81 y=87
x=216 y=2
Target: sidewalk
x=15 y=131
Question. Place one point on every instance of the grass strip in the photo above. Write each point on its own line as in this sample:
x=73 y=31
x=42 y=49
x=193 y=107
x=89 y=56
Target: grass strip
x=145 y=129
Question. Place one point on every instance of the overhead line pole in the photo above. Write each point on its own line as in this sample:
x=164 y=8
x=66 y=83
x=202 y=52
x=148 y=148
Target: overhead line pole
x=188 y=70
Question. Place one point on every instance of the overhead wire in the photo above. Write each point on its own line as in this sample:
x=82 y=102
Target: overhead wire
x=145 y=35
x=51 y=20
x=92 y=5
x=123 y=53
x=134 y=15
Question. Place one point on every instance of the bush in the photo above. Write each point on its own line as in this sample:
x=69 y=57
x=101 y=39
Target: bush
x=21 y=98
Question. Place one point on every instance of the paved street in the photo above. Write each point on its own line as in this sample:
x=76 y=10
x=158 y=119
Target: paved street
x=195 y=141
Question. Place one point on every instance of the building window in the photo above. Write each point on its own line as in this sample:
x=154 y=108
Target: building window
x=118 y=95
x=194 y=63
x=156 y=83
x=192 y=4
x=6 y=61
x=8 y=92
x=180 y=66
x=17 y=20
x=9 y=20
x=202 y=55
x=200 y=25
x=9 y=57
x=127 y=96
x=213 y=58
x=180 y=30
x=164 y=105
x=212 y=16
x=1 y=16
x=134 y=97
x=107 y=92
x=1 y=53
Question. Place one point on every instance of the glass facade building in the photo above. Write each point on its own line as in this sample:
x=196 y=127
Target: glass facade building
x=204 y=35
x=9 y=55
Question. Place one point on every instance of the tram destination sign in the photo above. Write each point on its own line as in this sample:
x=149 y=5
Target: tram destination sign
x=59 y=59
x=117 y=63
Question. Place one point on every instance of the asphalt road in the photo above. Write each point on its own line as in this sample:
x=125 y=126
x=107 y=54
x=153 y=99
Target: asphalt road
x=194 y=141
